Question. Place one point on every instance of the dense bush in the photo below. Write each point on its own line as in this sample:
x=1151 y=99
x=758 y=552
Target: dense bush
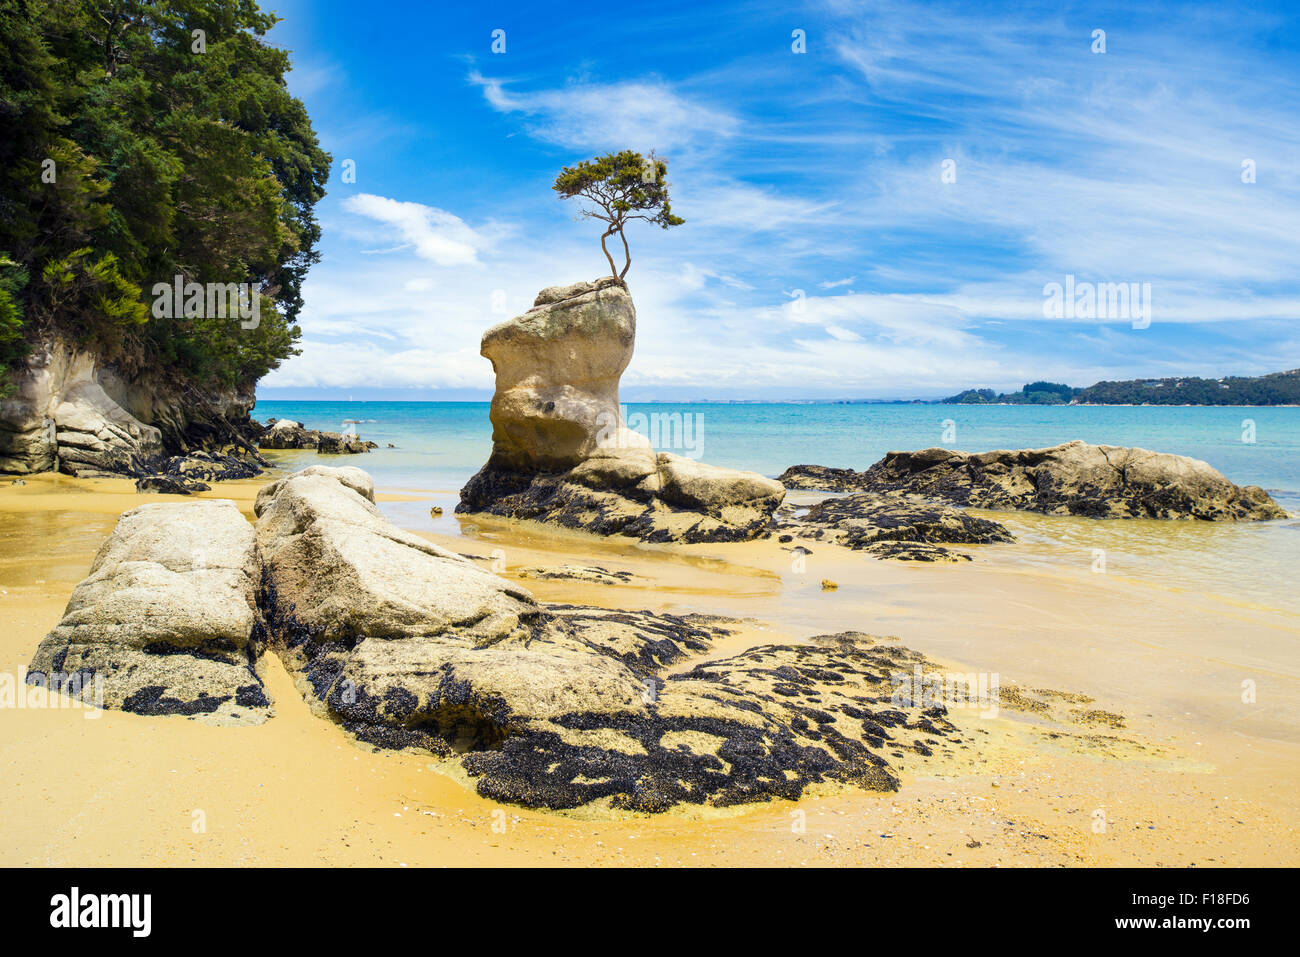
x=134 y=149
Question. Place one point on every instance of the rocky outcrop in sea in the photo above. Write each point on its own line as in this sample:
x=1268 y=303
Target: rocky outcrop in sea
x=561 y=452
x=1097 y=481
x=286 y=434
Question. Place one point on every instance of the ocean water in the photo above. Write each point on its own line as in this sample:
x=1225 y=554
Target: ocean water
x=439 y=445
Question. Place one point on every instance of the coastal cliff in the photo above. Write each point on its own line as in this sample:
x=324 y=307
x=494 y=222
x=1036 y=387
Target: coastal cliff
x=71 y=412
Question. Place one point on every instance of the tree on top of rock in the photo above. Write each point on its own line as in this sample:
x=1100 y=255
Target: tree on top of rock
x=618 y=188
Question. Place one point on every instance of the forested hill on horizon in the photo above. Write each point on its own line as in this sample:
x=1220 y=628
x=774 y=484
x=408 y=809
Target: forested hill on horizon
x=1276 y=388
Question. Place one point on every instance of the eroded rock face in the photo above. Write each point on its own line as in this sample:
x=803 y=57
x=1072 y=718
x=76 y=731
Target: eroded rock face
x=1099 y=481
x=60 y=417
x=72 y=413
x=561 y=452
x=167 y=622
x=557 y=370
x=892 y=526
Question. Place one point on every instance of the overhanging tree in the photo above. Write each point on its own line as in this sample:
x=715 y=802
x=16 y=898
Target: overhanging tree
x=618 y=188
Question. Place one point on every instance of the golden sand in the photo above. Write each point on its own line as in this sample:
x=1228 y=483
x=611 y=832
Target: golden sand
x=1122 y=737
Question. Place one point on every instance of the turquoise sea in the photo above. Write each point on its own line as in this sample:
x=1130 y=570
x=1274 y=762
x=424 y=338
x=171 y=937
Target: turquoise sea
x=438 y=445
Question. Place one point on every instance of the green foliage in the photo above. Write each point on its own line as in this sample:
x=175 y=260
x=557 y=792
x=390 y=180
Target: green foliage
x=620 y=187
x=1050 y=388
x=972 y=397
x=128 y=158
x=12 y=344
x=1278 y=388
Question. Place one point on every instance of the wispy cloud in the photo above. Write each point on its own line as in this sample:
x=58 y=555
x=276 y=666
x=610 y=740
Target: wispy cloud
x=435 y=234
x=642 y=114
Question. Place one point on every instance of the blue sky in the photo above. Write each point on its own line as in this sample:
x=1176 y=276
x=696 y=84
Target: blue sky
x=823 y=255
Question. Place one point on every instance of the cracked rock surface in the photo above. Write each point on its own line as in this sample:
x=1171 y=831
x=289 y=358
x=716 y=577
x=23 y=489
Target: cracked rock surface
x=167 y=621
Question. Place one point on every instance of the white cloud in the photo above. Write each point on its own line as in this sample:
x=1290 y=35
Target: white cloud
x=645 y=115
x=435 y=234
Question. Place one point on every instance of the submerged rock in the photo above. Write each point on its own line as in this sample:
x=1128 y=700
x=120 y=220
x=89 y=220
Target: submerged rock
x=1098 y=481
x=561 y=452
x=594 y=574
x=167 y=621
x=891 y=526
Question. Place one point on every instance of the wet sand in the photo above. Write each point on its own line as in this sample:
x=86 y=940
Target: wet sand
x=1160 y=747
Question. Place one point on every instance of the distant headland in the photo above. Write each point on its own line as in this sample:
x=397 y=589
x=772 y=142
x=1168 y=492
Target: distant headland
x=1276 y=388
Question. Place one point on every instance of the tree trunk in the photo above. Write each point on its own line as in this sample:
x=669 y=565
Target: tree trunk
x=612 y=268
x=627 y=253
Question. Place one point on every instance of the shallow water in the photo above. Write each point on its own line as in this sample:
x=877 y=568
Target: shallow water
x=439 y=445
x=445 y=442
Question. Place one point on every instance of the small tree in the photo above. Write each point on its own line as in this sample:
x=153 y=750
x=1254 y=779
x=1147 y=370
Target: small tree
x=620 y=187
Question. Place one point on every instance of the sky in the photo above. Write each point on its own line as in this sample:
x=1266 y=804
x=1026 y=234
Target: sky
x=875 y=217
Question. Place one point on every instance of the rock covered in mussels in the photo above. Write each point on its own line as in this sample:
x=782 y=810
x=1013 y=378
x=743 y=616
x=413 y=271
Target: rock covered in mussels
x=558 y=706
x=820 y=478
x=893 y=526
x=1098 y=481
x=654 y=497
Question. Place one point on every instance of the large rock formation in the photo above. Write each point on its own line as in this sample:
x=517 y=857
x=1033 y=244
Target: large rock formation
x=167 y=622
x=557 y=369
x=407 y=645
x=1099 y=481
x=71 y=412
x=561 y=452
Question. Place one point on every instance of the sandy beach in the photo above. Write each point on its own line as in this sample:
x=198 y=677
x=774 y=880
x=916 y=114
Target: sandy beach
x=1122 y=737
